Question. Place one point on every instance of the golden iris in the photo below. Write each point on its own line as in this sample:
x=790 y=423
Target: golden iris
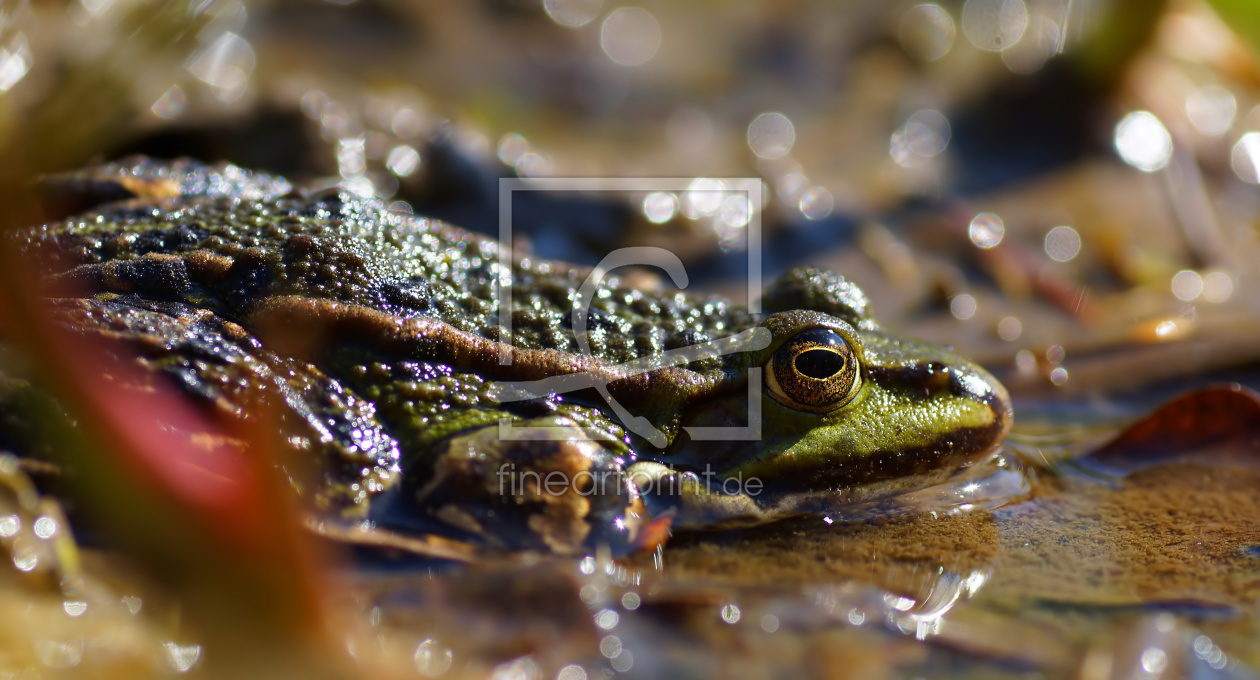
x=816 y=370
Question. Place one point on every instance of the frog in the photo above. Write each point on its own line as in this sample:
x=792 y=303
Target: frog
x=427 y=380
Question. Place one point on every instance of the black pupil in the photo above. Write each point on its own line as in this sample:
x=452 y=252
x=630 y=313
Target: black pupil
x=818 y=364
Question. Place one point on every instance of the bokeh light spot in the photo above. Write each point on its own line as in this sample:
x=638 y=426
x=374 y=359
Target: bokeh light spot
x=1143 y=141
x=631 y=36
x=1217 y=287
x=1063 y=243
x=1211 y=110
x=660 y=207
x=816 y=203
x=572 y=13
x=1245 y=158
x=771 y=135
x=962 y=306
x=1009 y=329
x=1039 y=42
x=1187 y=285
x=927 y=31
x=925 y=134
x=994 y=25
x=986 y=230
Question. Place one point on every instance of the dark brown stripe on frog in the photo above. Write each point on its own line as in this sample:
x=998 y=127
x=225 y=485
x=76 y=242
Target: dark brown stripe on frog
x=303 y=327
x=932 y=377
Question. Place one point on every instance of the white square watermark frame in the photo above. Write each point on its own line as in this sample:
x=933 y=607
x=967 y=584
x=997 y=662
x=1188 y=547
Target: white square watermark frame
x=751 y=187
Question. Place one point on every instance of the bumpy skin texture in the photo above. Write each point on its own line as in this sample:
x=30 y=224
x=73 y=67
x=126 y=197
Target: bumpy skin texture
x=378 y=336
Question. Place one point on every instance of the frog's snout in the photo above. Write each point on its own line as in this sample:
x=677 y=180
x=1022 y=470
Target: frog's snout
x=971 y=405
x=975 y=384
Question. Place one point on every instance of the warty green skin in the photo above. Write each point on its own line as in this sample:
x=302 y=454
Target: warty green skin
x=250 y=294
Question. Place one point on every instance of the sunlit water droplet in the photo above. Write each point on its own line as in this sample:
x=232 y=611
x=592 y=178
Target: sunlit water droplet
x=730 y=613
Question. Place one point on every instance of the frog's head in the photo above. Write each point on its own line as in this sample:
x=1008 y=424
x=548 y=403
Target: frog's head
x=848 y=408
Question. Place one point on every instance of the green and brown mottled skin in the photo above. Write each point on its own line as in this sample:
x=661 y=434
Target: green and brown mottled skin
x=376 y=337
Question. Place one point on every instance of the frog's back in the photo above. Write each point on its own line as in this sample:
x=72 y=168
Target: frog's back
x=232 y=248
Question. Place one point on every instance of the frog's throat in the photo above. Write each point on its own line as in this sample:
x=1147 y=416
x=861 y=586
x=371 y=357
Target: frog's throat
x=305 y=326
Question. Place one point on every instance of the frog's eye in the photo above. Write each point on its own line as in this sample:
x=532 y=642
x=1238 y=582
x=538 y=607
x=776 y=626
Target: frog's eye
x=816 y=370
